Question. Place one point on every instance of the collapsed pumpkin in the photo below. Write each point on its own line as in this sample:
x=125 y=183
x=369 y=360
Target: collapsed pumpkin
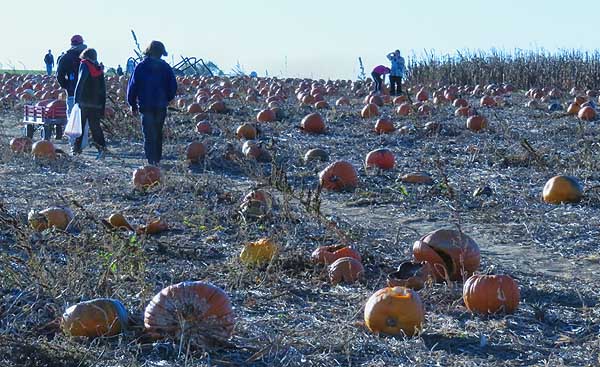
x=489 y=294
x=346 y=270
x=451 y=253
x=153 y=227
x=118 y=221
x=21 y=144
x=394 y=311
x=259 y=252
x=97 y=317
x=54 y=217
x=145 y=177
x=412 y=275
x=191 y=312
x=329 y=254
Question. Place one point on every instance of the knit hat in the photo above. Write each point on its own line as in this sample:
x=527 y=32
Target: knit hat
x=156 y=48
x=76 y=40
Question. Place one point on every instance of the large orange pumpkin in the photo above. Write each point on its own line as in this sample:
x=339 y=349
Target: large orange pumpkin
x=265 y=116
x=384 y=126
x=346 y=270
x=339 y=176
x=144 y=177
x=21 y=144
x=329 y=254
x=97 y=317
x=573 y=109
x=562 y=189
x=195 y=151
x=380 y=158
x=587 y=113
x=394 y=311
x=369 y=111
x=313 y=123
x=43 y=149
x=194 y=313
x=489 y=294
x=451 y=253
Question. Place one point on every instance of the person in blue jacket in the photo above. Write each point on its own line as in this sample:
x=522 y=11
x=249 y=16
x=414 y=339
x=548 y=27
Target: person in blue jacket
x=151 y=87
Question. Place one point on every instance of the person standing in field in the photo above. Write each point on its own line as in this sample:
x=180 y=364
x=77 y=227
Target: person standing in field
x=49 y=61
x=68 y=67
x=151 y=87
x=378 y=75
x=90 y=95
x=119 y=71
x=397 y=72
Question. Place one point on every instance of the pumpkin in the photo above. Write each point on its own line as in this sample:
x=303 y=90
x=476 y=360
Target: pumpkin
x=256 y=204
x=118 y=221
x=329 y=254
x=490 y=294
x=399 y=100
x=265 y=116
x=316 y=155
x=43 y=149
x=412 y=275
x=460 y=102
x=342 y=101
x=194 y=108
x=146 y=176
x=195 y=151
x=404 y=109
x=449 y=252
x=376 y=100
x=562 y=189
x=21 y=144
x=259 y=252
x=573 y=109
x=476 y=123
x=487 y=101
x=416 y=178
x=313 y=123
x=319 y=105
x=217 y=106
x=153 y=227
x=53 y=217
x=253 y=150
x=587 y=113
x=380 y=158
x=394 y=310
x=246 y=131
x=339 y=176
x=384 y=126
x=345 y=270
x=424 y=110
x=422 y=95
x=97 y=317
x=370 y=110
x=203 y=127
x=191 y=312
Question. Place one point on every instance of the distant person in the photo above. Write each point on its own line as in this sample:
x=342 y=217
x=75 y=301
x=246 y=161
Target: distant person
x=49 y=61
x=253 y=74
x=151 y=87
x=130 y=66
x=378 y=75
x=90 y=95
x=119 y=70
x=68 y=68
x=397 y=72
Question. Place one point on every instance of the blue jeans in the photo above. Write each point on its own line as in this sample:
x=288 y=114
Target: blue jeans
x=49 y=69
x=152 y=127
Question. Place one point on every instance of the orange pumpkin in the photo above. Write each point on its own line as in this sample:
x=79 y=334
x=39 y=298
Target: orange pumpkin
x=316 y=154
x=587 y=113
x=422 y=95
x=339 y=176
x=573 y=109
x=342 y=101
x=195 y=151
x=313 y=123
x=319 y=105
x=487 y=101
x=394 y=311
x=376 y=100
x=329 y=254
x=153 y=227
x=404 y=109
x=451 y=253
x=144 y=177
x=256 y=204
x=265 y=116
x=346 y=270
x=476 y=123
x=412 y=275
x=217 y=107
x=97 y=317
x=384 y=126
x=246 y=131
x=118 y=221
x=490 y=294
x=460 y=102
x=196 y=312
x=53 y=217
x=562 y=189
x=43 y=149
x=399 y=100
x=259 y=252
x=194 y=108
x=21 y=144
x=369 y=111
x=380 y=158
x=203 y=127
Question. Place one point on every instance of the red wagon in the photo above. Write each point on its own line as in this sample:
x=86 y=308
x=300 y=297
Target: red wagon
x=48 y=115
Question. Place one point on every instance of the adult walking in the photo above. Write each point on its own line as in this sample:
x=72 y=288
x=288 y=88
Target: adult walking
x=378 y=75
x=49 y=61
x=90 y=95
x=151 y=87
x=68 y=67
x=397 y=72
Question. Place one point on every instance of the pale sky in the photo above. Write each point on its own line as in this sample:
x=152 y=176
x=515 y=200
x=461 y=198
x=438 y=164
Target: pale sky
x=319 y=39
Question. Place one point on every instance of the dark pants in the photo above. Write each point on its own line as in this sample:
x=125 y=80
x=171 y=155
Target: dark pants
x=152 y=127
x=395 y=85
x=91 y=116
x=378 y=81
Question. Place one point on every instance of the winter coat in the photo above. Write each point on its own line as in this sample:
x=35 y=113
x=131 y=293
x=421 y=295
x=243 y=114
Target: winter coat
x=90 y=91
x=152 y=85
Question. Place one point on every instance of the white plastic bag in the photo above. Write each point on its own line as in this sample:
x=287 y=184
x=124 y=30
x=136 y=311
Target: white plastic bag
x=73 y=128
